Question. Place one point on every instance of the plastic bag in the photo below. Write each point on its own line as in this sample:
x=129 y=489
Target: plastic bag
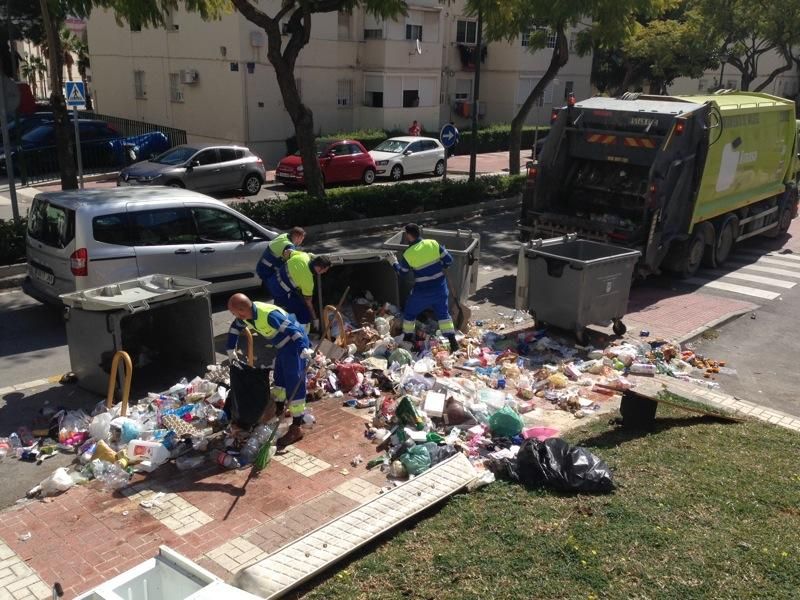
x=505 y=423
x=249 y=395
x=58 y=481
x=416 y=460
x=400 y=356
x=408 y=415
x=557 y=465
x=100 y=426
x=348 y=375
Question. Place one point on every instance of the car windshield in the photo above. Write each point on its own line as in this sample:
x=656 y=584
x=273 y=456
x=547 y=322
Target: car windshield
x=396 y=146
x=38 y=135
x=176 y=156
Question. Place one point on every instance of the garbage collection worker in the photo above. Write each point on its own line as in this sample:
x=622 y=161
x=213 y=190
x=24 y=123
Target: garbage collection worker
x=296 y=277
x=427 y=259
x=275 y=254
x=281 y=331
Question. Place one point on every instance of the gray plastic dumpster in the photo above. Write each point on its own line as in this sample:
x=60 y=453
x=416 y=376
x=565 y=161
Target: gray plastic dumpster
x=572 y=283
x=362 y=270
x=465 y=248
x=162 y=321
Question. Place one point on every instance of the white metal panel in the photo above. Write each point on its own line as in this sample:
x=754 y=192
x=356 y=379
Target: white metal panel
x=311 y=554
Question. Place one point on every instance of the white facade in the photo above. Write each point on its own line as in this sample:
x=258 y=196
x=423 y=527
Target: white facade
x=213 y=79
x=786 y=85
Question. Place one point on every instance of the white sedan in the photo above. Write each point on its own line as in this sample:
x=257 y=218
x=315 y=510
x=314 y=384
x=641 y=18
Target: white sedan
x=409 y=155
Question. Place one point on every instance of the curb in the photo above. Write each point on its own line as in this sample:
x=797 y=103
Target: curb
x=361 y=226
x=723 y=320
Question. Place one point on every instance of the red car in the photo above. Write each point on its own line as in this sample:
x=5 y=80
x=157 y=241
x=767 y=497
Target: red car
x=340 y=161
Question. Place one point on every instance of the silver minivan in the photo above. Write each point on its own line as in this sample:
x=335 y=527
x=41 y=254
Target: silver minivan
x=86 y=238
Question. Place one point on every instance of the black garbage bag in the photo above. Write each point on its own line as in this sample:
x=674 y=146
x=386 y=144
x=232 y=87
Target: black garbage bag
x=249 y=395
x=556 y=465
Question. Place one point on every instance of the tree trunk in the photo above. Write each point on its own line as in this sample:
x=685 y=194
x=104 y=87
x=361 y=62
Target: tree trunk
x=557 y=60
x=771 y=77
x=64 y=141
x=283 y=61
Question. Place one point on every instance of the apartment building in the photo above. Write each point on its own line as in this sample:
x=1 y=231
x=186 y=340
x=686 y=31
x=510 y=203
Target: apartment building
x=213 y=79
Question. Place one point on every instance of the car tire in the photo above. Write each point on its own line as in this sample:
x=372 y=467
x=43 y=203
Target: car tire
x=396 y=173
x=252 y=184
x=175 y=183
x=368 y=177
x=438 y=170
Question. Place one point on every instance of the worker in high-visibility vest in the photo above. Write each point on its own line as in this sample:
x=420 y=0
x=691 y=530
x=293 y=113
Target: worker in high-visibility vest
x=296 y=279
x=281 y=331
x=275 y=254
x=427 y=259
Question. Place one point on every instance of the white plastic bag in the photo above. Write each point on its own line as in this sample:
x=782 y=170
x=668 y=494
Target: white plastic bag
x=100 y=426
x=58 y=481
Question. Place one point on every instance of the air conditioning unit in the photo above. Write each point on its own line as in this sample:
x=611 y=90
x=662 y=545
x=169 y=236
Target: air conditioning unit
x=178 y=96
x=189 y=76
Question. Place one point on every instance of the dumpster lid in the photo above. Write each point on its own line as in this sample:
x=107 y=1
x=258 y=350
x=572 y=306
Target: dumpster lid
x=357 y=256
x=559 y=249
x=135 y=294
x=457 y=241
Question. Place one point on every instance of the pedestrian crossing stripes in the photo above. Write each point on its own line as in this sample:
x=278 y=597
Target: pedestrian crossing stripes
x=765 y=275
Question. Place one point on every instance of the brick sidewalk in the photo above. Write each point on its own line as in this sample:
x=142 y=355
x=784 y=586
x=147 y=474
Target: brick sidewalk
x=86 y=536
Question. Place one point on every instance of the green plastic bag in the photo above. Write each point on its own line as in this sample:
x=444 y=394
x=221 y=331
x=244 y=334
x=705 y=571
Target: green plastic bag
x=401 y=356
x=505 y=423
x=416 y=460
x=407 y=414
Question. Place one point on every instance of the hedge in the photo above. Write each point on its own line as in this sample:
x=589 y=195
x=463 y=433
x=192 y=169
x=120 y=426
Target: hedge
x=490 y=139
x=12 y=241
x=345 y=204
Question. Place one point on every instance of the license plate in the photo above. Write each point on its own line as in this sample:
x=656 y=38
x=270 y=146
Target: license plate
x=48 y=278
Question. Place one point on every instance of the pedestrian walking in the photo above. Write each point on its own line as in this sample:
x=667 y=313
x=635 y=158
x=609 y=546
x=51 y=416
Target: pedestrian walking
x=279 y=330
x=427 y=259
x=296 y=278
x=275 y=254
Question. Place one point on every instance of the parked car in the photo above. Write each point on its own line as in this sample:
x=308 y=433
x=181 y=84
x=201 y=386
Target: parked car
x=146 y=146
x=401 y=156
x=101 y=145
x=82 y=239
x=201 y=167
x=340 y=161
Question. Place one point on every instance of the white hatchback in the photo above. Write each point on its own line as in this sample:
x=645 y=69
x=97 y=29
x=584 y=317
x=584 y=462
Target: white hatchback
x=408 y=155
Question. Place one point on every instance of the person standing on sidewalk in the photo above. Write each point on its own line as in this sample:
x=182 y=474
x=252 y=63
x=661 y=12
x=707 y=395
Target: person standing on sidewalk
x=275 y=254
x=296 y=277
x=415 y=129
x=279 y=330
x=427 y=259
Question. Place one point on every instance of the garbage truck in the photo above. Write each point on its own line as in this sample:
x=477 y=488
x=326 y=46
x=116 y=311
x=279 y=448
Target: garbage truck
x=679 y=178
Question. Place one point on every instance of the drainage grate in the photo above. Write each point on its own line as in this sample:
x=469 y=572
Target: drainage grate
x=313 y=553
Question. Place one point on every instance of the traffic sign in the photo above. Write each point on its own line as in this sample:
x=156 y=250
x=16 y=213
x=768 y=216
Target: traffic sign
x=449 y=135
x=76 y=93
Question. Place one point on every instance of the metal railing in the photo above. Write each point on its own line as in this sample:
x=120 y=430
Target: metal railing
x=98 y=155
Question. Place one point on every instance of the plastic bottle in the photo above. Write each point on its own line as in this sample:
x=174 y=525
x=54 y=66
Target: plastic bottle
x=226 y=460
x=155 y=452
x=249 y=451
x=643 y=369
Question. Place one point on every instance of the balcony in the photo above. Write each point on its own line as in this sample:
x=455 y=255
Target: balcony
x=468 y=53
x=400 y=54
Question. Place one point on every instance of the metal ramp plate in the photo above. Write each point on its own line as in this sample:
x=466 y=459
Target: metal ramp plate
x=311 y=554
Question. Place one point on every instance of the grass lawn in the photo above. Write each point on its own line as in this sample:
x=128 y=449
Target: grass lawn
x=704 y=509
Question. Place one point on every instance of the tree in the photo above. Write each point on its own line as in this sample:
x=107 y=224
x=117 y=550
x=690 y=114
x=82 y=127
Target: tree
x=29 y=72
x=294 y=17
x=749 y=30
x=607 y=23
x=141 y=12
x=21 y=20
x=665 y=48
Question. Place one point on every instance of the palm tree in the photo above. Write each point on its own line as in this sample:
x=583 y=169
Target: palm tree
x=81 y=49
x=28 y=71
x=68 y=43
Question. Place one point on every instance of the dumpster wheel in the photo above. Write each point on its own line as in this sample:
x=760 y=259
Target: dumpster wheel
x=581 y=335
x=619 y=327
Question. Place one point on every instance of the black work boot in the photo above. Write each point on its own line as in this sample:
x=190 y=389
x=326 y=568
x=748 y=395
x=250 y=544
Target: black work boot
x=454 y=347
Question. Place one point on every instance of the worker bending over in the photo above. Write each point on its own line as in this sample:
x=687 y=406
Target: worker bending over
x=427 y=259
x=281 y=331
x=275 y=254
x=296 y=279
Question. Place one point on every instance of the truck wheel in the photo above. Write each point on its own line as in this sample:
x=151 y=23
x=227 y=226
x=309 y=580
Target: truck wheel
x=784 y=222
x=725 y=241
x=689 y=255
